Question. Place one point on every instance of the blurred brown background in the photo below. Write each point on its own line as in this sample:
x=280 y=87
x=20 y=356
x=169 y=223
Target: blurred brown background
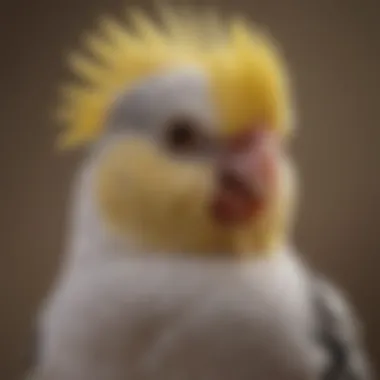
x=333 y=47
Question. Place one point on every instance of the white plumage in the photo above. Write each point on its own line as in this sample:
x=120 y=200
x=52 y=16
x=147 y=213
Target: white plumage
x=119 y=311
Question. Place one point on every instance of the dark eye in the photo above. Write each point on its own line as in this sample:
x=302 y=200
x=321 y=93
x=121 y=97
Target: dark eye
x=182 y=135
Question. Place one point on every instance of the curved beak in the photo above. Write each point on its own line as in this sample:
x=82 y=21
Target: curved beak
x=244 y=175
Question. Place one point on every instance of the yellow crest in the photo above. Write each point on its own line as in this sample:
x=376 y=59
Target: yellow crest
x=247 y=75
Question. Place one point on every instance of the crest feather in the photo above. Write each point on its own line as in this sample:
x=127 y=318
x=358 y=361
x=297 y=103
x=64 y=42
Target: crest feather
x=246 y=73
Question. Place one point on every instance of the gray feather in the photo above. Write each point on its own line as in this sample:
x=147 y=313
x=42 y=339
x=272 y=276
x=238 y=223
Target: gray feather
x=340 y=333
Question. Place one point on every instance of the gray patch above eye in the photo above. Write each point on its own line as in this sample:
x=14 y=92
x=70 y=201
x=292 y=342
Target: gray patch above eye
x=149 y=105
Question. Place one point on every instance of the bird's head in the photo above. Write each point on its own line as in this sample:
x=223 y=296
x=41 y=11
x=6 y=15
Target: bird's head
x=189 y=122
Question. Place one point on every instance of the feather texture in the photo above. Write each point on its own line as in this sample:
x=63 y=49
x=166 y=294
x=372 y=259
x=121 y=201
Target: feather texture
x=246 y=72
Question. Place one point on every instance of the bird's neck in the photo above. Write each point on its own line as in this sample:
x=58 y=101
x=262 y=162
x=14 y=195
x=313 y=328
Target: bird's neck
x=88 y=241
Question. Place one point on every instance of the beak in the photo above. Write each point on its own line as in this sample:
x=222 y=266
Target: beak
x=244 y=177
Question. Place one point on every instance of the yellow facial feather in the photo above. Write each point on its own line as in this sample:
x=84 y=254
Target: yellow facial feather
x=247 y=76
x=163 y=205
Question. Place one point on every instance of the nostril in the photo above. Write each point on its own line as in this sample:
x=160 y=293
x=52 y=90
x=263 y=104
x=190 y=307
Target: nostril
x=231 y=181
x=228 y=179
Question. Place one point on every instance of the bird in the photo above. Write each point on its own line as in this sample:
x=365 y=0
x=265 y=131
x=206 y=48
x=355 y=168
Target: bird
x=179 y=261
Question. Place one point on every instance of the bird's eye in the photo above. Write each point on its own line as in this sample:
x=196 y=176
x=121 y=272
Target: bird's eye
x=182 y=135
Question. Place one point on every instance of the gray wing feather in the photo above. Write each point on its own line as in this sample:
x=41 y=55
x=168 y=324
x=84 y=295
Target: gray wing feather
x=340 y=333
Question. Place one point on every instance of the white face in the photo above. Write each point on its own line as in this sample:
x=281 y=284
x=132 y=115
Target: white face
x=172 y=179
x=153 y=103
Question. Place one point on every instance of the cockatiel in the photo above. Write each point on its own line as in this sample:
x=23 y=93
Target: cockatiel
x=179 y=264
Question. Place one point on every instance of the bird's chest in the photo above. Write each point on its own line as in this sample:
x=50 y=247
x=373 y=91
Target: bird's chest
x=185 y=321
